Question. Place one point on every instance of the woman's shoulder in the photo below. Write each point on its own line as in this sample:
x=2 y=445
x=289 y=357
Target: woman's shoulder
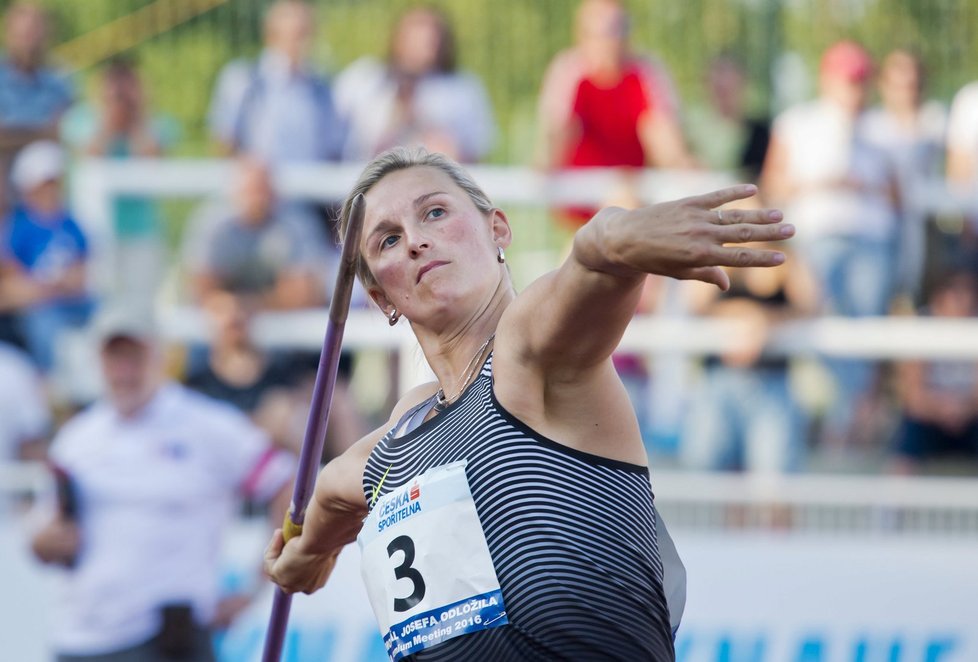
x=411 y=399
x=353 y=462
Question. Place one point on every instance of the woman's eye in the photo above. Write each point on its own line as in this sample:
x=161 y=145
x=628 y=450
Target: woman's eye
x=436 y=212
x=388 y=241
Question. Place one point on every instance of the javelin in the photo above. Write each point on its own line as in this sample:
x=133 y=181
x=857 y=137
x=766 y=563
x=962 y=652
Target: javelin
x=322 y=397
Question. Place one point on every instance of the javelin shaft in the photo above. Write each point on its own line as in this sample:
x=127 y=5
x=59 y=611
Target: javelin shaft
x=322 y=397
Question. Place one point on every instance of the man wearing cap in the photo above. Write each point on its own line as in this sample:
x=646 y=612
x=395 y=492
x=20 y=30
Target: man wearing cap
x=841 y=192
x=43 y=254
x=147 y=478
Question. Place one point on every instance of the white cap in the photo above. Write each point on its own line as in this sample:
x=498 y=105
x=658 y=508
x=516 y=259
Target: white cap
x=118 y=322
x=37 y=163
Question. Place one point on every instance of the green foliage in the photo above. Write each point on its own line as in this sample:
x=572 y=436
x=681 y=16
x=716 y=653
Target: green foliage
x=509 y=42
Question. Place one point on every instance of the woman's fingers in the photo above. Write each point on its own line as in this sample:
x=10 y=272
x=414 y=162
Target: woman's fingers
x=273 y=551
x=712 y=275
x=740 y=256
x=753 y=216
x=294 y=571
x=721 y=197
x=743 y=233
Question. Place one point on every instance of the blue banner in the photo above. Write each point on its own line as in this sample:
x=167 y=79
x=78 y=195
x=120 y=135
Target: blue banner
x=433 y=627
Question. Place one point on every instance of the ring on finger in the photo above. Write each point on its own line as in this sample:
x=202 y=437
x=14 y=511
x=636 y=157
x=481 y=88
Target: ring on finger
x=719 y=215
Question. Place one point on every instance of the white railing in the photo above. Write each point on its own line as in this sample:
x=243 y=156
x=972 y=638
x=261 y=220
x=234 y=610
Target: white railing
x=830 y=504
x=99 y=181
x=869 y=337
x=712 y=501
x=673 y=487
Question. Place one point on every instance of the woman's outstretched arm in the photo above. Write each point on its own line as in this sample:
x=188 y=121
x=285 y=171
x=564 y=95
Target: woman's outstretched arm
x=573 y=318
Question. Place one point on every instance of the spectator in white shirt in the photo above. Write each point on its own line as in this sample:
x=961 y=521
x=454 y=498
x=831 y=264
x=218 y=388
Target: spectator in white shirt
x=842 y=193
x=417 y=96
x=148 y=478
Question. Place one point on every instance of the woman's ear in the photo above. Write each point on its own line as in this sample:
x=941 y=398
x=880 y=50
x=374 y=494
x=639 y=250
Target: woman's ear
x=502 y=234
x=378 y=297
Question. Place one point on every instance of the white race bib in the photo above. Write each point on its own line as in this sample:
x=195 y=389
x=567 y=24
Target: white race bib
x=426 y=563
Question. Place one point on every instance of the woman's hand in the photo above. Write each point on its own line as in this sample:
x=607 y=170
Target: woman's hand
x=686 y=239
x=293 y=569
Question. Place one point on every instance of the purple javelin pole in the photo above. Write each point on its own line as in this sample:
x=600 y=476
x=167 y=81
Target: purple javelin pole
x=322 y=397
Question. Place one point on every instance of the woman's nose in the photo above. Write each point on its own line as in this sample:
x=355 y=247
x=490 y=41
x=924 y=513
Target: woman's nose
x=418 y=245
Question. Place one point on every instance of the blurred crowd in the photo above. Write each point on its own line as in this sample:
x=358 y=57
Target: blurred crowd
x=847 y=167
x=223 y=419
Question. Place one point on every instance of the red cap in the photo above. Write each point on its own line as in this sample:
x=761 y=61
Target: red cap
x=848 y=60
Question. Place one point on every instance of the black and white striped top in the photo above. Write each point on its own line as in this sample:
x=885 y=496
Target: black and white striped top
x=572 y=536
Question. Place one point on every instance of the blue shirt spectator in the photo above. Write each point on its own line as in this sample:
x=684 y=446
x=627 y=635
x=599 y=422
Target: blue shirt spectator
x=33 y=96
x=43 y=254
x=32 y=99
x=278 y=109
x=44 y=244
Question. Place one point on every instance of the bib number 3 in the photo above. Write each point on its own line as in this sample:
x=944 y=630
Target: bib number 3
x=405 y=571
x=426 y=563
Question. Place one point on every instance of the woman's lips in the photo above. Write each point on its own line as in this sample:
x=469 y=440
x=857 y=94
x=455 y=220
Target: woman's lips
x=428 y=267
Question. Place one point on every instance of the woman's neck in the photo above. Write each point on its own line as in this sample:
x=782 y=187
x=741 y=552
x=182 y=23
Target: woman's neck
x=450 y=351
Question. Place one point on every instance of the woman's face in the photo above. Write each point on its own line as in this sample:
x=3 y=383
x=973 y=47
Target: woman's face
x=431 y=251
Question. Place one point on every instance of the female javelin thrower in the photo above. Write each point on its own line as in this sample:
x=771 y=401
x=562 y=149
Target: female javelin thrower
x=505 y=512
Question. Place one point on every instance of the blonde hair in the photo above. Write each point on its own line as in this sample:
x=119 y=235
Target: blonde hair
x=403 y=158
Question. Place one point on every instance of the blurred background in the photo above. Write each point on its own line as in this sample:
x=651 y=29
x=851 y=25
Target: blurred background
x=813 y=432
x=181 y=46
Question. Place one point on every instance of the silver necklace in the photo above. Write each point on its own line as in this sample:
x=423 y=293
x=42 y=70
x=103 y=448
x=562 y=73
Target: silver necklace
x=440 y=400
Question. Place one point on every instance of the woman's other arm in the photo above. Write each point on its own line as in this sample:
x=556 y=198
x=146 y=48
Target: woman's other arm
x=335 y=513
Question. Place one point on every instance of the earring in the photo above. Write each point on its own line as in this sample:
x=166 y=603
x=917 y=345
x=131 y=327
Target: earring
x=500 y=255
x=393 y=317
